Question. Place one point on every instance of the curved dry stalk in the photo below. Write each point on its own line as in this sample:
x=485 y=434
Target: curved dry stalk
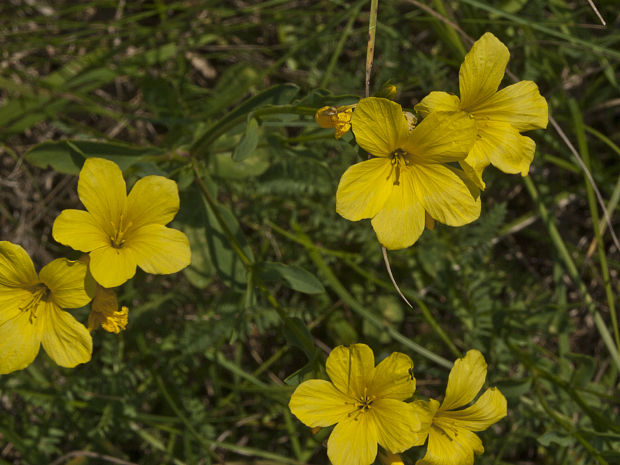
x=389 y=270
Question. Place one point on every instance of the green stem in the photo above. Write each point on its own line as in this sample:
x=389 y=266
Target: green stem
x=347 y=257
x=570 y=267
x=224 y=125
x=213 y=205
x=358 y=308
x=565 y=424
x=340 y=45
x=210 y=445
x=585 y=154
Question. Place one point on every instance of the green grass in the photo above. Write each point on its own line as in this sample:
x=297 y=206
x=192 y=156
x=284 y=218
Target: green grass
x=220 y=96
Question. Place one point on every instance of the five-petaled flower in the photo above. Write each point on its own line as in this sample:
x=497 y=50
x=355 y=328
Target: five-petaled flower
x=408 y=185
x=365 y=402
x=500 y=115
x=31 y=310
x=450 y=427
x=123 y=231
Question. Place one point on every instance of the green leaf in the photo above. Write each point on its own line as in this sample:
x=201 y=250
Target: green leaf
x=68 y=156
x=248 y=142
x=200 y=272
x=223 y=166
x=294 y=276
x=298 y=335
x=585 y=367
x=514 y=388
x=552 y=436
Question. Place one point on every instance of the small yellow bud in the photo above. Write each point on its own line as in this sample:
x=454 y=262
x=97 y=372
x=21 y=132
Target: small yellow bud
x=387 y=91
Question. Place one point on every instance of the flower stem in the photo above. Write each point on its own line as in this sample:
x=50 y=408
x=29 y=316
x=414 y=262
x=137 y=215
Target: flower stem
x=570 y=267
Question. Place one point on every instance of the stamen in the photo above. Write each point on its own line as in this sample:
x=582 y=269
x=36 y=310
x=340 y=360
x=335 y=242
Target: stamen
x=398 y=157
x=39 y=292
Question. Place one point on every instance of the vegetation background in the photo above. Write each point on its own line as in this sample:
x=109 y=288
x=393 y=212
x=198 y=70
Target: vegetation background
x=219 y=95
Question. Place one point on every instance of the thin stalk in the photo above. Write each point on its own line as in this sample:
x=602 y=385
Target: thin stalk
x=224 y=125
x=370 y=50
x=210 y=445
x=340 y=45
x=565 y=424
x=347 y=257
x=358 y=308
x=560 y=247
x=585 y=154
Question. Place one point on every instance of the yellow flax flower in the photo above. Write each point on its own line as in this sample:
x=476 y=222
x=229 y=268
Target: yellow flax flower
x=335 y=117
x=104 y=312
x=31 y=310
x=123 y=231
x=365 y=402
x=500 y=115
x=409 y=179
x=449 y=427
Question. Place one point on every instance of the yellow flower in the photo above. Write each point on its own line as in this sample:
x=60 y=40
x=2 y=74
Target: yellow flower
x=450 y=427
x=31 y=310
x=105 y=313
x=500 y=115
x=365 y=402
x=124 y=231
x=335 y=117
x=409 y=178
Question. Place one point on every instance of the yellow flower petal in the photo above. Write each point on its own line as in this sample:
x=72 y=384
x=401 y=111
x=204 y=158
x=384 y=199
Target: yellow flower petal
x=111 y=267
x=465 y=381
x=488 y=409
x=424 y=411
x=103 y=192
x=158 y=249
x=477 y=161
x=396 y=424
x=482 y=71
x=20 y=338
x=504 y=147
x=379 y=126
x=445 y=195
x=80 y=230
x=351 y=368
x=65 y=340
x=66 y=280
x=442 y=137
x=153 y=199
x=116 y=322
x=519 y=104
x=450 y=447
x=437 y=101
x=393 y=378
x=16 y=268
x=364 y=188
x=353 y=441
x=401 y=220
x=105 y=312
x=317 y=402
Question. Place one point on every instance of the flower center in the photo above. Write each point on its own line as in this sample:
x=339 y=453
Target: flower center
x=361 y=404
x=400 y=160
x=118 y=239
x=38 y=292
